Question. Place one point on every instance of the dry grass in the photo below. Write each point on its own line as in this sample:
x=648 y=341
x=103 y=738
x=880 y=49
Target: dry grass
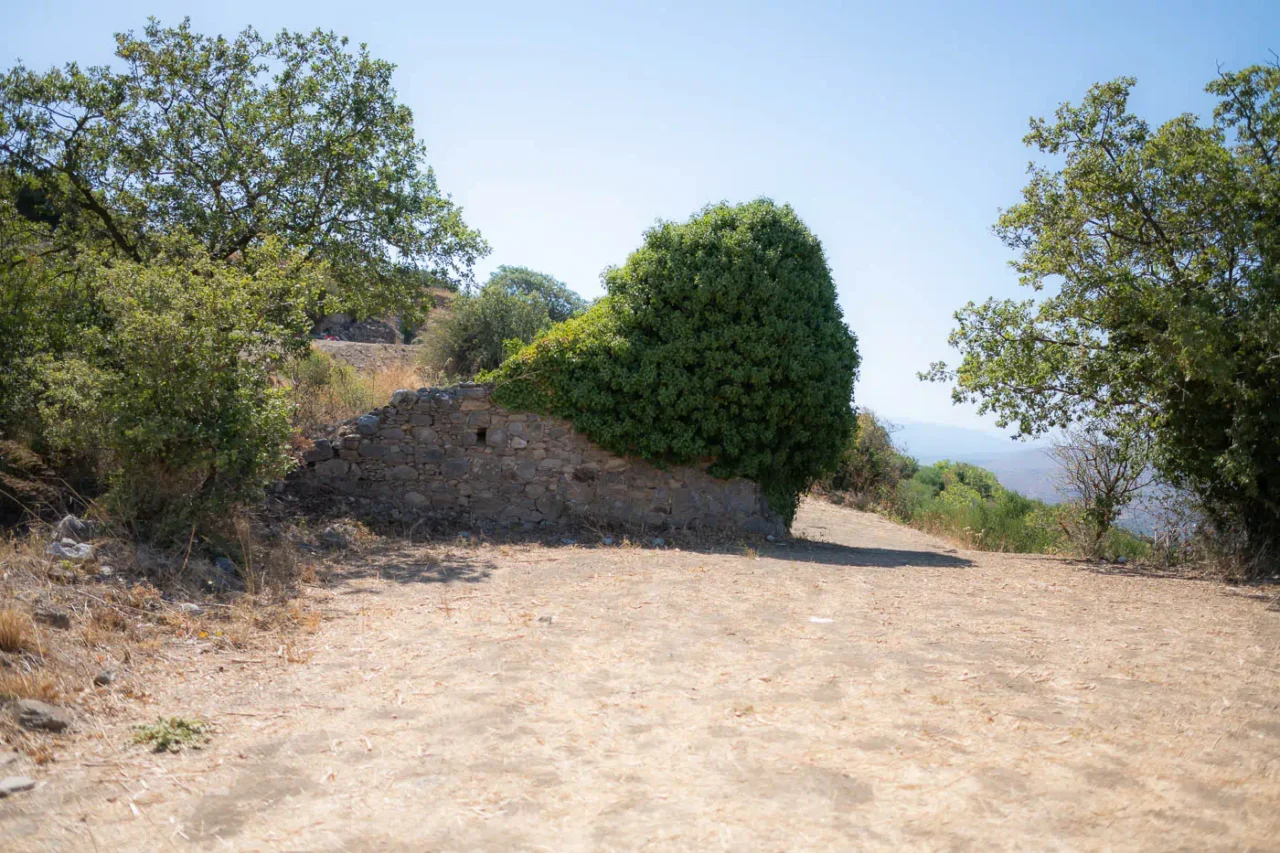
x=326 y=391
x=137 y=621
x=17 y=631
x=24 y=555
x=386 y=382
x=29 y=685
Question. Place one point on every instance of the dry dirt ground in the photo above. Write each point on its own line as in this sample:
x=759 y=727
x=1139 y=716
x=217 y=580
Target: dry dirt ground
x=370 y=359
x=864 y=686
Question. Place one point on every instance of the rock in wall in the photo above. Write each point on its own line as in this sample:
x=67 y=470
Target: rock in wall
x=453 y=454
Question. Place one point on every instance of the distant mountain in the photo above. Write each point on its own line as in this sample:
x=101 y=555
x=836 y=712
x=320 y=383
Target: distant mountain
x=1022 y=466
x=1019 y=465
x=934 y=442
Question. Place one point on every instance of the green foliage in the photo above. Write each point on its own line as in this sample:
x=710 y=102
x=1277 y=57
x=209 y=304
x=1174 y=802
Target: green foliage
x=192 y=419
x=484 y=329
x=968 y=503
x=42 y=309
x=231 y=141
x=870 y=468
x=1162 y=249
x=157 y=377
x=720 y=341
x=326 y=391
x=562 y=303
x=961 y=501
x=171 y=734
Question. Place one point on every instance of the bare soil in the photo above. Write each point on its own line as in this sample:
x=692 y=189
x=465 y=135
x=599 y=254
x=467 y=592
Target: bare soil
x=371 y=359
x=862 y=686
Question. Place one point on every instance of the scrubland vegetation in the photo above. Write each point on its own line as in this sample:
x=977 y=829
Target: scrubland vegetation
x=1153 y=257
x=964 y=503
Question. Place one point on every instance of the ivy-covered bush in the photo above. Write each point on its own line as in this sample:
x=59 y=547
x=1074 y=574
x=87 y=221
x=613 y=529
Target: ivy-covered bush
x=720 y=341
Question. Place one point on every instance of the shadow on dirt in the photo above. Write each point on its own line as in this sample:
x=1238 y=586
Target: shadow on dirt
x=834 y=554
x=414 y=566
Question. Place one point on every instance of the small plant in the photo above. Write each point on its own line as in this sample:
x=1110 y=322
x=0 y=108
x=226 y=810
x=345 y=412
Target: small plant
x=22 y=685
x=16 y=634
x=172 y=734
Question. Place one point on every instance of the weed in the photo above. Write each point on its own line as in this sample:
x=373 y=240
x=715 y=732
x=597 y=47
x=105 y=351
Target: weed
x=40 y=753
x=23 y=685
x=170 y=734
x=17 y=632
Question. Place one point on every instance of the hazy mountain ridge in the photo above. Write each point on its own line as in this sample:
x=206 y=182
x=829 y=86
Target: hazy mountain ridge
x=1022 y=466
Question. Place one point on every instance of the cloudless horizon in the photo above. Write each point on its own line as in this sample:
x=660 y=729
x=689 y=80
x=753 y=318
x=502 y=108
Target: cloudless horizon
x=565 y=130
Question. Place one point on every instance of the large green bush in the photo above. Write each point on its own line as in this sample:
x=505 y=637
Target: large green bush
x=192 y=416
x=156 y=379
x=720 y=341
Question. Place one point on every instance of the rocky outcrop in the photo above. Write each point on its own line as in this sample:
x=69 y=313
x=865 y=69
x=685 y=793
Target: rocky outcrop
x=452 y=453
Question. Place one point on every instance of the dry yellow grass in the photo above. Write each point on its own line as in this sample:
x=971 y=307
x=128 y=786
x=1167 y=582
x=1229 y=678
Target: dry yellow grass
x=386 y=382
x=17 y=632
x=28 y=685
x=327 y=391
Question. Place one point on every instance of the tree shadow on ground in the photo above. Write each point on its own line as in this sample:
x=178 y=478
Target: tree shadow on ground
x=835 y=554
x=405 y=565
x=455 y=559
x=1145 y=572
x=1265 y=591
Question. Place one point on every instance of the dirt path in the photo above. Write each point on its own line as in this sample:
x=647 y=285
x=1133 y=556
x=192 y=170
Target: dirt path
x=872 y=689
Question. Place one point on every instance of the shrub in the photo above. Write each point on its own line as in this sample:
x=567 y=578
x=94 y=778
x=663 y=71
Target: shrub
x=192 y=417
x=870 y=468
x=720 y=341
x=475 y=337
x=968 y=503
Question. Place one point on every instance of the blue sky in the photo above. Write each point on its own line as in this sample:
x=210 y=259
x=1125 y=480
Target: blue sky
x=894 y=129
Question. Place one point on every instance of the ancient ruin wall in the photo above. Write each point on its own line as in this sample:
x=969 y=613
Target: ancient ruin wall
x=454 y=454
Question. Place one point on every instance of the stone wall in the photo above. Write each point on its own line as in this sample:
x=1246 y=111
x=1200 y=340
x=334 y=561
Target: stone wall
x=453 y=454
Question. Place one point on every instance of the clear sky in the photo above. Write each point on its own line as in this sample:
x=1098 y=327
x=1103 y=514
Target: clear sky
x=894 y=129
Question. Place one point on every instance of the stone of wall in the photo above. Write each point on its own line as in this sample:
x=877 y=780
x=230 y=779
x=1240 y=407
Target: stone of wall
x=453 y=454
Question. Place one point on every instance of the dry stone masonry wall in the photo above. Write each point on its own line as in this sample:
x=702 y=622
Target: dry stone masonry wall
x=453 y=454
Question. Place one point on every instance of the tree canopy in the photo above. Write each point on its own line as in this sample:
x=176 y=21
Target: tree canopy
x=233 y=141
x=482 y=329
x=561 y=301
x=720 y=341
x=1153 y=253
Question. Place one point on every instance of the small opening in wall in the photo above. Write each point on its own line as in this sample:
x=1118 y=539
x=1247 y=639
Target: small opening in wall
x=480 y=434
